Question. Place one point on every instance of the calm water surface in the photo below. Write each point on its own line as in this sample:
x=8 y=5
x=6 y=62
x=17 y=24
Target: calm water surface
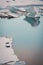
x=27 y=40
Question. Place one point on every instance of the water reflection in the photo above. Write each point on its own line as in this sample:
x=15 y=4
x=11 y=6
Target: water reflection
x=33 y=21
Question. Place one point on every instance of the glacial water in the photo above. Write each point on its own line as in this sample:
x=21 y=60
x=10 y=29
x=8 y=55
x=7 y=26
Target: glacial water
x=21 y=31
x=27 y=39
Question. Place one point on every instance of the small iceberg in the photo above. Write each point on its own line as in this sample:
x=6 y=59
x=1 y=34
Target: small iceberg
x=19 y=11
x=41 y=10
x=33 y=16
x=7 y=54
x=33 y=13
x=20 y=63
x=7 y=14
x=11 y=12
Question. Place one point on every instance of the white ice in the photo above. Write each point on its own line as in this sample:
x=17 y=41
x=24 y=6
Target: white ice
x=6 y=53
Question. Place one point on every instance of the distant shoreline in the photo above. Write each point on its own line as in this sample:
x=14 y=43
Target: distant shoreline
x=28 y=5
x=22 y=3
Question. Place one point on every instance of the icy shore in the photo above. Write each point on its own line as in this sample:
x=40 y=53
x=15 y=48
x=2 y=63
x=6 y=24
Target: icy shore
x=5 y=3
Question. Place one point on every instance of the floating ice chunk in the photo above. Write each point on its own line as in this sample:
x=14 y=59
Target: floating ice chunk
x=41 y=10
x=33 y=16
x=6 y=53
x=20 y=63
